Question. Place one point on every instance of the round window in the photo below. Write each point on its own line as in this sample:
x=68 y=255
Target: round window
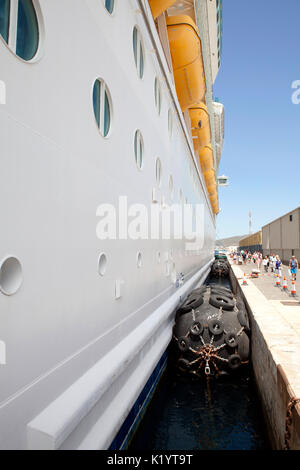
x=138 y=149
x=19 y=27
x=138 y=52
x=11 y=276
x=102 y=106
x=109 y=5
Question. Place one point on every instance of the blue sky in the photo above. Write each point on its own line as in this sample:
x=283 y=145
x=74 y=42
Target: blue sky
x=260 y=61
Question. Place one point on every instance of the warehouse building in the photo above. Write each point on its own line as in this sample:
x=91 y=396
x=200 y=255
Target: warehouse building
x=282 y=236
x=251 y=243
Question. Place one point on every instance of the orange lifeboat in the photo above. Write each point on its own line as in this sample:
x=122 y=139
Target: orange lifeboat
x=200 y=125
x=206 y=158
x=186 y=53
x=159 y=6
x=210 y=178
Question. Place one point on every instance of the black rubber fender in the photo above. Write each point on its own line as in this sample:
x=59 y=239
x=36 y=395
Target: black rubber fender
x=196 y=328
x=231 y=340
x=218 y=286
x=243 y=320
x=234 y=361
x=216 y=327
x=221 y=292
x=220 y=300
x=191 y=303
x=198 y=291
x=183 y=344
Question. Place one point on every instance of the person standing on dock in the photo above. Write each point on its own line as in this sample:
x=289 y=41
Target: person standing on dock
x=265 y=263
x=278 y=265
x=259 y=260
x=294 y=266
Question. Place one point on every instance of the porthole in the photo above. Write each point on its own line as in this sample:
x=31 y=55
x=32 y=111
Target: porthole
x=109 y=5
x=102 y=106
x=11 y=276
x=19 y=27
x=170 y=122
x=157 y=95
x=139 y=260
x=138 y=149
x=102 y=262
x=158 y=171
x=138 y=52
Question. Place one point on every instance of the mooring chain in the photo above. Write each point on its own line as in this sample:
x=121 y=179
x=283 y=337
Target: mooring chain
x=288 y=421
x=240 y=331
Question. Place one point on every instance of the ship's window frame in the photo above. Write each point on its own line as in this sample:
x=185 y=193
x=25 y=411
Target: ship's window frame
x=29 y=16
x=139 y=149
x=101 y=104
x=11 y=275
x=109 y=6
x=138 y=51
x=157 y=95
x=139 y=259
x=102 y=264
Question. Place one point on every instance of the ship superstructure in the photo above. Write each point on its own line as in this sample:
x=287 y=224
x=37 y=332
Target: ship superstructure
x=108 y=105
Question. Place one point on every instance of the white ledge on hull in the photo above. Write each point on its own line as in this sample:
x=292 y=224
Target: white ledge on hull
x=137 y=354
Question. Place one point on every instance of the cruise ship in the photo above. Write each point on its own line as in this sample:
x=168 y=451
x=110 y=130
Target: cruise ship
x=106 y=108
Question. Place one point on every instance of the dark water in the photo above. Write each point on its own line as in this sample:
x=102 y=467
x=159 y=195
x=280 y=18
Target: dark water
x=186 y=414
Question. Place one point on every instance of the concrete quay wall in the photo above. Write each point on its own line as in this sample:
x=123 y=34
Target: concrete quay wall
x=275 y=350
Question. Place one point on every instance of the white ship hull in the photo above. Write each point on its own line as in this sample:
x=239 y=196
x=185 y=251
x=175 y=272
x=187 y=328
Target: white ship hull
x=77 y=357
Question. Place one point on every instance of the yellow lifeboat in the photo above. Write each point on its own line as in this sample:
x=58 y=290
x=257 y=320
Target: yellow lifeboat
x=159 y=6
x=186 y=53
x=206 y=158
x=200 y=125
x=210 y=178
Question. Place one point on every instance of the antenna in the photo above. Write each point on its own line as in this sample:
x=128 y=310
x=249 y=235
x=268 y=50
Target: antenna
x=250 y=222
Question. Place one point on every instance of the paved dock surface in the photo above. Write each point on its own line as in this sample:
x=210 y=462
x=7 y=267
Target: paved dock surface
x=278 y=316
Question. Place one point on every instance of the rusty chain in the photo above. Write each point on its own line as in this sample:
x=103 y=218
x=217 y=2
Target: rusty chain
x=288 y=421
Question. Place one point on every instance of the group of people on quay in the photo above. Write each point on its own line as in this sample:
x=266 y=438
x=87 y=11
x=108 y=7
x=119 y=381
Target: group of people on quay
x=271 y=263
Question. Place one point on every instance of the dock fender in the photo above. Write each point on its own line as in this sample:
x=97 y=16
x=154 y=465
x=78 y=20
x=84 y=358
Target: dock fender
x=231 y=340
x=216 y=327
x=183 y=343
x=196 y=328
x=216 y=291
x=191 y=303
x=234 y=361
x=242 y=316
x=244 y=347
x=220 y=300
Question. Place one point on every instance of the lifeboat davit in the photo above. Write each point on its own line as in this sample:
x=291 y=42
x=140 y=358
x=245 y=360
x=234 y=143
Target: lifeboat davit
x=159 y=6
x=187 y=60
x=200 y=126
